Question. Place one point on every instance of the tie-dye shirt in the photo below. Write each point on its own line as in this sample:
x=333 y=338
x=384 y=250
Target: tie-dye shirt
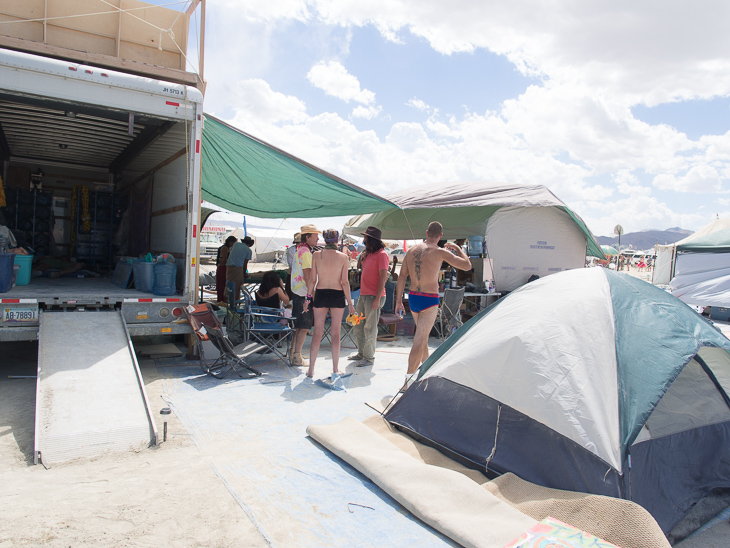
x=303 y=259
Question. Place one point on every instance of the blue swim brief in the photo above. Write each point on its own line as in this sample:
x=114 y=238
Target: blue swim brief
x=419 y=302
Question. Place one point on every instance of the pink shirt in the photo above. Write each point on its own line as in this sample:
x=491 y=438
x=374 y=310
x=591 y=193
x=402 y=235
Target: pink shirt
x=371 y=268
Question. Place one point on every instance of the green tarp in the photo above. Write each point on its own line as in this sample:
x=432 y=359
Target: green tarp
x=243 y=174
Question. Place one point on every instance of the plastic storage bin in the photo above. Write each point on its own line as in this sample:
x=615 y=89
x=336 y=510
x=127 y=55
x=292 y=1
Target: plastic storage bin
x=25 y=262
x=144 y=277
x=7 y=261
x=476 y=244
x=164 y=279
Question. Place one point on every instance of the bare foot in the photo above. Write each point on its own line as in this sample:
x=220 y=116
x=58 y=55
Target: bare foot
x=310 y=373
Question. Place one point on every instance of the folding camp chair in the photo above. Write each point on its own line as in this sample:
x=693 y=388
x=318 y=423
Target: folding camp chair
x=388 y=317
x=449 y=313
x=346 y=329
x=207 y=328
x=263 y=325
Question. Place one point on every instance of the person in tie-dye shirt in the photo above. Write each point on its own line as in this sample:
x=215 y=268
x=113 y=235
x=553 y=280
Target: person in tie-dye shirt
x=301 y=304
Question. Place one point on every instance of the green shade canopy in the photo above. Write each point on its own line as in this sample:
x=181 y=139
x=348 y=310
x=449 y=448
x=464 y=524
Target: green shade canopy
x=711 y=238
x=608 y=250
x=244 y=174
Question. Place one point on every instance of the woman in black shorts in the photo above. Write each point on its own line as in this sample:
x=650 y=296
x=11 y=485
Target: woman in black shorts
x=331 y=290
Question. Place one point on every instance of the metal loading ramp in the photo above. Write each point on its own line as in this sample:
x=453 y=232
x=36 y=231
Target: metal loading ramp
x=90 y=398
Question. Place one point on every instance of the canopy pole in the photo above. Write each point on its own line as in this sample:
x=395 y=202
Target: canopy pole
x=409 y=224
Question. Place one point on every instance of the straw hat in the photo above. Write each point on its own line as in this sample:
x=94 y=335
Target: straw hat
x=297 y=238
x=310 y=229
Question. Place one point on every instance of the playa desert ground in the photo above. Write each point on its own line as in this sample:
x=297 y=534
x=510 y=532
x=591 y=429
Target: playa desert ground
x=237 y=468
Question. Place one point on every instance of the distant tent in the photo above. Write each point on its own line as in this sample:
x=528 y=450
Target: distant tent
x=698 y=267
x=527 y=229
x=587 y=380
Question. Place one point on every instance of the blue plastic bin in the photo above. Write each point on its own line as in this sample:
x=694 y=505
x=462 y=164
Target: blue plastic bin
x=144 y=277
x=7 y=261
x=25 y=262
x=165 y=275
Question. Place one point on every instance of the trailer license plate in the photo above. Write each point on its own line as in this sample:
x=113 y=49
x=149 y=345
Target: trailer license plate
x=20 y=315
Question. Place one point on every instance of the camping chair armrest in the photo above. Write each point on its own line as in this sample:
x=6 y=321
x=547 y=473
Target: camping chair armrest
x=264 y=309
x=259 y=314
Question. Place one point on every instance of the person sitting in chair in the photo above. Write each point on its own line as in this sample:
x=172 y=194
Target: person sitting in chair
x=271 y=293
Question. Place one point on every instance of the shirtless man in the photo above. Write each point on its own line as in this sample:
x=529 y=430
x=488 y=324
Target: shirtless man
x=422 y=264
x=330 y=286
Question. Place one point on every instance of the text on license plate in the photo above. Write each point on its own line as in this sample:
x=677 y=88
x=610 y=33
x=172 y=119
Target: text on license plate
x=20 y=314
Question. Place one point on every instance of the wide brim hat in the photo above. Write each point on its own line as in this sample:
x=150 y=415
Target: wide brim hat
x=297 y=237
x=373 y=232
x=310 y=229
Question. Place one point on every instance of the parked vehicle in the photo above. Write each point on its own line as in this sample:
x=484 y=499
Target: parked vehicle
x=211 y=238
x=351 y=251
x=98 y=165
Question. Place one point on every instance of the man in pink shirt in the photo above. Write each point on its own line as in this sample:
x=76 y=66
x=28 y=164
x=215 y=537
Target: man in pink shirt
x=375 y=263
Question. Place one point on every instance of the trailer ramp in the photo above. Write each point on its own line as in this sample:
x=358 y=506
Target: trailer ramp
x=90 y=398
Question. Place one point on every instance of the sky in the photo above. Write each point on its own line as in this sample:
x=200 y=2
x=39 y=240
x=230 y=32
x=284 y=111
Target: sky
x=620 y=108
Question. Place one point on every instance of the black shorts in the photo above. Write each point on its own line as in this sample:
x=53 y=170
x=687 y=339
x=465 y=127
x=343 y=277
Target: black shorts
x=329 y=298
x=303 y=320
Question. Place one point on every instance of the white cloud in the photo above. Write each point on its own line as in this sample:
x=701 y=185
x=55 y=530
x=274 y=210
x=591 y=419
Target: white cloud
x=417 y=104
x=334 y=80
x=265 y=10
x=257 y=105
x=366 y=112
x=573 y=126
x=628 y=183
x=652 y=52
x=699 y=179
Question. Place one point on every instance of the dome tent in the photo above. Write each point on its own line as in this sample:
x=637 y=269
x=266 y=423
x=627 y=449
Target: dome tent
x=587 y=380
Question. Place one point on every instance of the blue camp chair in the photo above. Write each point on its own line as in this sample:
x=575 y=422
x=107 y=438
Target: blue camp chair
x=260 y=324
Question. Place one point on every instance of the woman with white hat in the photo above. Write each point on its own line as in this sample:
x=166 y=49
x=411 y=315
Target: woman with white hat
x=300 y=275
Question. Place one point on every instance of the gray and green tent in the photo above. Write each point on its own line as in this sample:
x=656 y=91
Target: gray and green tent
x=587 y=380
x=527 y=230
x=698 y=267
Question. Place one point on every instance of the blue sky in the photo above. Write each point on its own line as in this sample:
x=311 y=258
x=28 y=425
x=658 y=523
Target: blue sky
x=621 y=109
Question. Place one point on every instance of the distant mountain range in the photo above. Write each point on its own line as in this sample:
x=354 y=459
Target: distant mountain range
x=646 y=238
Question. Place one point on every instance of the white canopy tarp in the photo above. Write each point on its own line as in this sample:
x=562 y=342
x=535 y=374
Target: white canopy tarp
x=697 y=268
x=702 y=279
x=267 y=242
x=663 y=265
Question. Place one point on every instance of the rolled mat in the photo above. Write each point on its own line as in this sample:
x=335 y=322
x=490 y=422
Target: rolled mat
x=444 y=499
x=441 y=492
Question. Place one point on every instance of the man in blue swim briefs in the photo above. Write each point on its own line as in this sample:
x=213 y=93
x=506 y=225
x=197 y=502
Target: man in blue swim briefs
x=422 y=264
